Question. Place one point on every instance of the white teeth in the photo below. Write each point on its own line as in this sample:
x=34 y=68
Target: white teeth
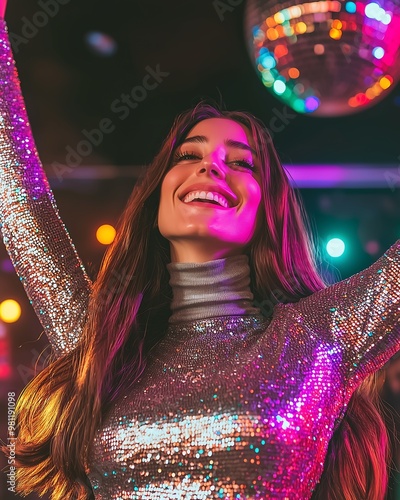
x=206 y=195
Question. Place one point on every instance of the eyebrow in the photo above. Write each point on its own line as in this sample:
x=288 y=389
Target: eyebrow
x=227 y=142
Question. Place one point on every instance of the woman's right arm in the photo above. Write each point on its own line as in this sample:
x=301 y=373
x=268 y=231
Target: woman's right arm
x=36 y=239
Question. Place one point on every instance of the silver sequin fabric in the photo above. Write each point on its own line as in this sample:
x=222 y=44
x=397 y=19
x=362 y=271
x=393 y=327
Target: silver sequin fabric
x=36 y=239
x=230 y=407
x=244 y=407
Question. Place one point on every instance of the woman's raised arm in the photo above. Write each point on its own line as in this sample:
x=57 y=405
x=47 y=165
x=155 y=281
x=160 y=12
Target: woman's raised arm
x=361 y=315
x=38 y=243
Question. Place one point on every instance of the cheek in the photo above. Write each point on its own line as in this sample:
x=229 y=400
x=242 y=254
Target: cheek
x=168 y=185
x=250 y=214
x=253 y=208
x=253 y=194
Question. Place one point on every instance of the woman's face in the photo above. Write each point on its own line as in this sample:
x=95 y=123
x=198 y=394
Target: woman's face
x=211 y=195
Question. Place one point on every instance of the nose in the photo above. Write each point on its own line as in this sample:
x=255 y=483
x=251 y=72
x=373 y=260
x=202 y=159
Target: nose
x=212 y=165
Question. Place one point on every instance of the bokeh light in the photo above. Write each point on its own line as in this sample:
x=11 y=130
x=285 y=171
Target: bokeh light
x=335 y=247
x=5 y=353
x=6 y=265
x=10 y=311
x=350 y=7
x=345 y=55
x=101 y=43
x=105 y=234
x=279 y=87
x=372 y=247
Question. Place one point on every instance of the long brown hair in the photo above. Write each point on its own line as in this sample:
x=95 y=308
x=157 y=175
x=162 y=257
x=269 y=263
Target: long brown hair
x=60 y=410
x=357 y=463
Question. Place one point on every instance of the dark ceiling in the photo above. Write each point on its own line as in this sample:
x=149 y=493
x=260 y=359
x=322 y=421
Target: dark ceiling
x=69 y=89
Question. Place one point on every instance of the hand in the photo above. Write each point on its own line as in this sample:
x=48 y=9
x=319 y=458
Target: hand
x=3 y=4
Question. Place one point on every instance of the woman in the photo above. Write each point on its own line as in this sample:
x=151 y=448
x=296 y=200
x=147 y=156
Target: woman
x=168 y=381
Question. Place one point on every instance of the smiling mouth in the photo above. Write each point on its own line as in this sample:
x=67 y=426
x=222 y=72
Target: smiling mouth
x=206 y=197
x=205 y=204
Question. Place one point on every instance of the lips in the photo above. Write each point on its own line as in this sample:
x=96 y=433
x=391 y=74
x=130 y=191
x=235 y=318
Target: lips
x=228 y=195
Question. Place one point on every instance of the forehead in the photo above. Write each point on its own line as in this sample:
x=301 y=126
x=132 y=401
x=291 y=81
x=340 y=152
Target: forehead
x=219 y=129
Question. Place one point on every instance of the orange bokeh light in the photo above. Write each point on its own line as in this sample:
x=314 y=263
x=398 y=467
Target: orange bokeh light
x=105 y=234
x=272 y=34
x=335 y=34
x=294 y=73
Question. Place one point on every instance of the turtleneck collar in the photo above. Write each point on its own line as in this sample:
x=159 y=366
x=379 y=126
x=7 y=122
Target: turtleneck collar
x=215 y=288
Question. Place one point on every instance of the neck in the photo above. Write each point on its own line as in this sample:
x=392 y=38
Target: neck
x=218 y=287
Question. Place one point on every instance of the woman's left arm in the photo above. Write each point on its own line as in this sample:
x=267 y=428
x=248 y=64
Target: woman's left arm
x=361 y=315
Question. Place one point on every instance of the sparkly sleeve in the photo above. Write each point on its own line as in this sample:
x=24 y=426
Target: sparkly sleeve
x=35 y=237
x=360 y=315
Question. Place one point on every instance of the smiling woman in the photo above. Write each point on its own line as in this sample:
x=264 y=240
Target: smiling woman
x=171 y=383
x=211 y=195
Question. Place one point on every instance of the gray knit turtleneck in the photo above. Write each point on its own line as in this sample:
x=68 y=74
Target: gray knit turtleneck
x=215 y=288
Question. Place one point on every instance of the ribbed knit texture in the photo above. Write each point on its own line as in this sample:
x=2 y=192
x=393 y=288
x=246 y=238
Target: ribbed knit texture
x=218 y=287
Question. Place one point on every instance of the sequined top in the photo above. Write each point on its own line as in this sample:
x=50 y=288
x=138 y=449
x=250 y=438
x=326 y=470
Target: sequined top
x=36 y=239
x=230 y=406
x=244 y=406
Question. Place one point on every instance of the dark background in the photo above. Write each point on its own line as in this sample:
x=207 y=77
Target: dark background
x=68 y=88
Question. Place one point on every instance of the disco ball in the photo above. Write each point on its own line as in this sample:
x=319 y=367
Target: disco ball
x=325 y=58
